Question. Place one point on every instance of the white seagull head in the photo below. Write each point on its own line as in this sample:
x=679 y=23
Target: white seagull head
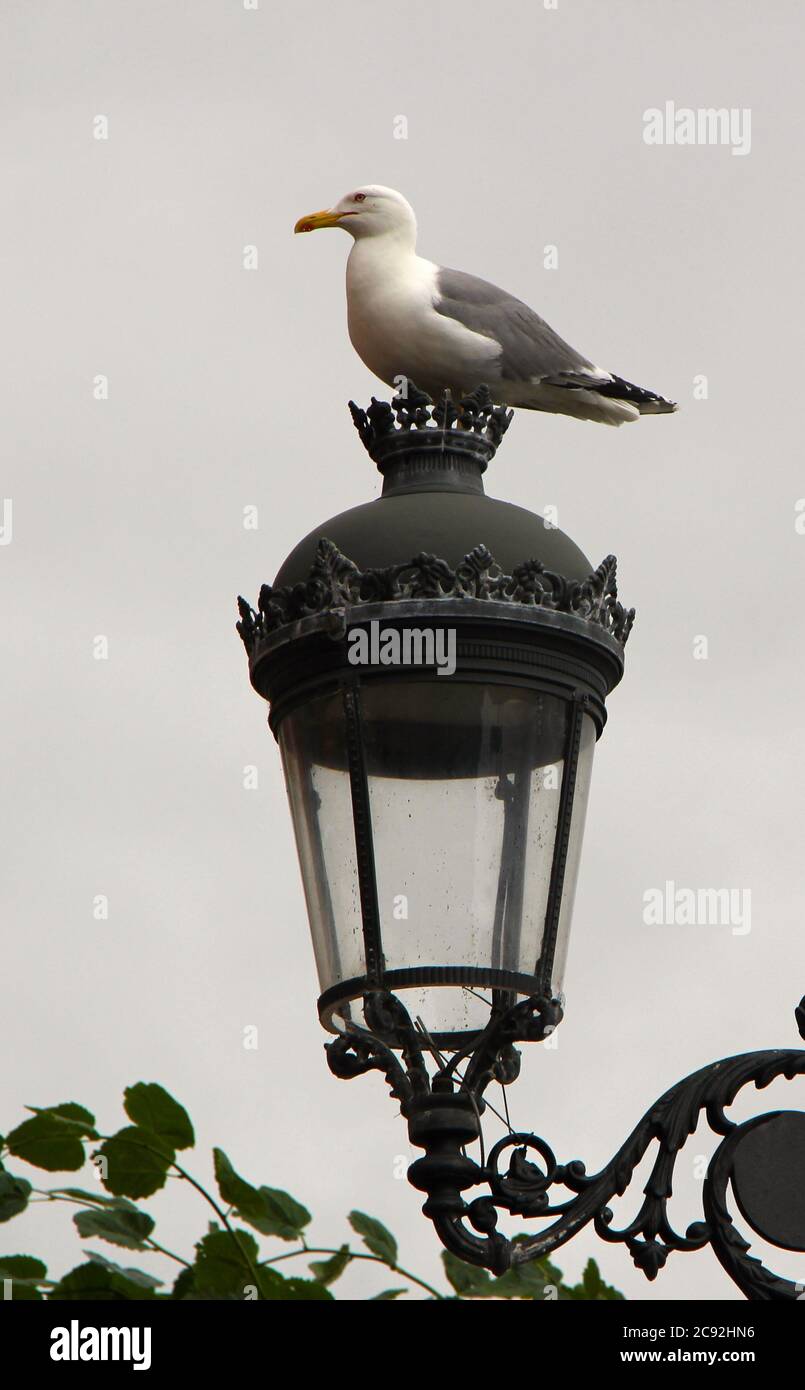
x=369 y=211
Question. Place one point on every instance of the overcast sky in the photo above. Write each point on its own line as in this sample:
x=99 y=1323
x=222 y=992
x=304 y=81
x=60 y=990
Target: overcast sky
x=679 y=267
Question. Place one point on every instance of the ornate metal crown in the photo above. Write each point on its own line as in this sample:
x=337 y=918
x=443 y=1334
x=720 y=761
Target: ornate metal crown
x=335 y=581
x=414 y=410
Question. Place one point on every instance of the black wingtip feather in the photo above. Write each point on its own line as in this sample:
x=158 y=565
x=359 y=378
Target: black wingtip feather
x=622 y=390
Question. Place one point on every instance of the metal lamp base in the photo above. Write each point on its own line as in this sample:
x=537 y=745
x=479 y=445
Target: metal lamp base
x=763 y=1159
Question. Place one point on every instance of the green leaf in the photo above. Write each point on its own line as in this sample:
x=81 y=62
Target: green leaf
x=221 y=1270
x=14 y=1194
x=22 y=1267
x=530 y=1280
x=95 y=1281
x=302 y=1290
x=375 y=1236
x=591 y=1280
x=274 y=1288
x=592 y=1287
x=221 y=1267
x=267 y=1209
x=138 y=1162
x=327 y=1271
x=137 y=1276
x=24 y=1290
x=184 y=1285
x=119 y=1225
x=234 y=1189
x=78 y=1115
x=98 y=1197
x=152 y=1107
x=49 y=1141
x=25 y=1273
x=281 y=1215
x=467 y=1280
x=387 y=1294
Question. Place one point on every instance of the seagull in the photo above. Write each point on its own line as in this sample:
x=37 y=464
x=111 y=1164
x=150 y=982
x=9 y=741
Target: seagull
x=446 y=331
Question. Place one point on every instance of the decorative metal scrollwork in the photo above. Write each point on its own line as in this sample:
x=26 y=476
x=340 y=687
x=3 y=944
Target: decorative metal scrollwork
x=335 y=582
x=766 y=1154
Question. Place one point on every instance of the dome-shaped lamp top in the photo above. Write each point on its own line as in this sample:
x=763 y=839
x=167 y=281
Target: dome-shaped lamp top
x=432 y=536
x=433 y=497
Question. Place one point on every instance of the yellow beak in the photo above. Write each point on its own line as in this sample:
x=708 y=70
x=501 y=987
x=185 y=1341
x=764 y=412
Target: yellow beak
x=314 y=220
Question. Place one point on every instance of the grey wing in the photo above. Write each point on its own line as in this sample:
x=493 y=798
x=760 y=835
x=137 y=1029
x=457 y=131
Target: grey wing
x=530 y=348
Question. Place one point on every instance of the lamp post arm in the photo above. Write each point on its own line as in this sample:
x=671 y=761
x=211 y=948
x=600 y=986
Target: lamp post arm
x=671 y=1120
x=762 y=1159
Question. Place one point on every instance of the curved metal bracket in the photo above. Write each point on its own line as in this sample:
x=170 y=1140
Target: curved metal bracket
x=444 y=1112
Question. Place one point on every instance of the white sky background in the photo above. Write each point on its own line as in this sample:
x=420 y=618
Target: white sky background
x=227 y=388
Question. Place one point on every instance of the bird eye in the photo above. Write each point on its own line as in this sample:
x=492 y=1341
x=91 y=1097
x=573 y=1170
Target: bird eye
x=359 y=198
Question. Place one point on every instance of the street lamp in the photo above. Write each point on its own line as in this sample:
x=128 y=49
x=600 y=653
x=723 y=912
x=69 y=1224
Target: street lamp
x=436 y=664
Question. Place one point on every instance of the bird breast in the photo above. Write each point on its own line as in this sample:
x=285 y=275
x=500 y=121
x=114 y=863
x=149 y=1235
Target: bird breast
x=395 y=329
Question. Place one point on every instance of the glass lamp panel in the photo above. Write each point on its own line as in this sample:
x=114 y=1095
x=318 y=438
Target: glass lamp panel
x=580 y=799
x=312 y=743
x=465 y=785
